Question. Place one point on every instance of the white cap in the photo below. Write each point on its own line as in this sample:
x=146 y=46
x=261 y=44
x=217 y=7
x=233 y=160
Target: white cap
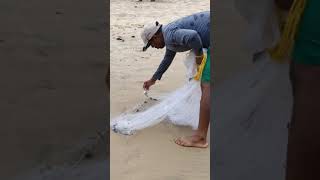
x=149 y=30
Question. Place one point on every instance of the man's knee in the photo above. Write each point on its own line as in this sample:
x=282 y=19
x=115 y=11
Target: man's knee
x=205 y=102
x=205 y=96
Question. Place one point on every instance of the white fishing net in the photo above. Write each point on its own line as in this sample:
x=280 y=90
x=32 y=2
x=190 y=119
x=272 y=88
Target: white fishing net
x=181 y=107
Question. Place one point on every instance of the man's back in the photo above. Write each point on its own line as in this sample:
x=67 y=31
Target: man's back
x=199 y=22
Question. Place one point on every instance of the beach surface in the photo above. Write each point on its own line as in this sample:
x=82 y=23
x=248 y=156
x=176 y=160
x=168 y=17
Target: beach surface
x=150 y=154
x=53 y=96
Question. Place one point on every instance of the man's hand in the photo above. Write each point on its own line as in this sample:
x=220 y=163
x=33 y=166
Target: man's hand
x=147 y=84
x=199 y=59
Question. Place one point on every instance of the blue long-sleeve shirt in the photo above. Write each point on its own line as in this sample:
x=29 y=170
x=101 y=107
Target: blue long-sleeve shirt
x=191 y=32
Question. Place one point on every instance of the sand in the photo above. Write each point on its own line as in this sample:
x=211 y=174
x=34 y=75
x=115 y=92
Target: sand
x=32 y=56
x=53 y=96
x=151 y=153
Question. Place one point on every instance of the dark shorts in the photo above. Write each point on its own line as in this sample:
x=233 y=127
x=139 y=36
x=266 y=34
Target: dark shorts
x=307 y=44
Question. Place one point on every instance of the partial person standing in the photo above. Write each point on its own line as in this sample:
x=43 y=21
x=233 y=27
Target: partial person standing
x=188 y=33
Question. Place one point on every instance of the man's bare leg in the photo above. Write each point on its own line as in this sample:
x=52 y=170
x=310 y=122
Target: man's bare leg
x=199 y=138
x=303 y=135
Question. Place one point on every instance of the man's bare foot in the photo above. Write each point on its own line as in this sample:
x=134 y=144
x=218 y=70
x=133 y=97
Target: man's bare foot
x=192 y=141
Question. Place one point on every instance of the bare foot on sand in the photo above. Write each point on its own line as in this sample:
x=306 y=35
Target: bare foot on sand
x=192 y=141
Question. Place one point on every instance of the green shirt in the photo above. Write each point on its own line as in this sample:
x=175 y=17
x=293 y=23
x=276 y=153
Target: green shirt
x=307 y=44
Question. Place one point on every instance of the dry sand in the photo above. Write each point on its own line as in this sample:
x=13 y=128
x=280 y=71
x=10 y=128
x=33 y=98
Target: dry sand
x=52 y=72
x=30 y=49
x=150 y=154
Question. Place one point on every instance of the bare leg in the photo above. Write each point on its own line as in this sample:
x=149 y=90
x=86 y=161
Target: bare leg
x=199 y=138
x=107 y=79
x=303 y=138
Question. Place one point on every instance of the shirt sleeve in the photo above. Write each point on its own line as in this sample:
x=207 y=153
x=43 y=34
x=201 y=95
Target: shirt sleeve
x=164 y=65
x=188 y=38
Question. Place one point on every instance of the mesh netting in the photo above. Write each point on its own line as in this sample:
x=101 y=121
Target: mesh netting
x=181 y=107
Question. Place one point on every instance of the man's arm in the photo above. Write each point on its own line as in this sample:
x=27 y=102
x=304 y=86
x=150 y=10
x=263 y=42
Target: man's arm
x=164 y=65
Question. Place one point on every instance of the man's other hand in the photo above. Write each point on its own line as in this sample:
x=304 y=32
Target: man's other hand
x=147 y=84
